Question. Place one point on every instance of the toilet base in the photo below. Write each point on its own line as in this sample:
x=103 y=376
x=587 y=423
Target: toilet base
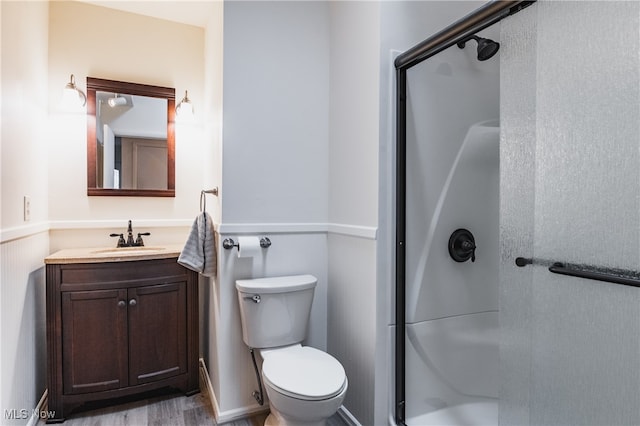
x=288 y=411
x=275 y=419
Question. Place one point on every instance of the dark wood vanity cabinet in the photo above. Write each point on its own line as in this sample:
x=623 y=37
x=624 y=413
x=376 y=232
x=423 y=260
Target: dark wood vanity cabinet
x=119 y=328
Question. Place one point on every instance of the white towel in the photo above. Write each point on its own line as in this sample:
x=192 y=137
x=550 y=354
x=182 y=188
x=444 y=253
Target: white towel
x=199 y=252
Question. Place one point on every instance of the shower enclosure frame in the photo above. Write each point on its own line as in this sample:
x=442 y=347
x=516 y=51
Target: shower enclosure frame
x=481 y=18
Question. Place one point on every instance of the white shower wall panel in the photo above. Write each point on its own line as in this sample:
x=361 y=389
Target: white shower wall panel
x=453 y=361
x=447 y=95
x=442 y=287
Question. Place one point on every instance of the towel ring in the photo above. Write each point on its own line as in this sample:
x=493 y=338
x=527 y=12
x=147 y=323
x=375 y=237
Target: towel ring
x=203 y=198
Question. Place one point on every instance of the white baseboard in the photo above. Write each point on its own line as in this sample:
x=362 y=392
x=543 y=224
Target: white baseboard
x=204 y=376
x=347 y=417
x=40 y=410
x=228 y=415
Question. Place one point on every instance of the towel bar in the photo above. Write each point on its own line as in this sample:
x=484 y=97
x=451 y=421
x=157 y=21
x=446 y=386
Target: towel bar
x=203 y=198
x=614 y=276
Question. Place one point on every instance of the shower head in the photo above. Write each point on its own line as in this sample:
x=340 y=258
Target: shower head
x=486 y=47
x=117 y=101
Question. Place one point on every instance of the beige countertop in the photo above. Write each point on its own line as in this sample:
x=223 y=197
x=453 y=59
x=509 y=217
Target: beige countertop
x=113 y=254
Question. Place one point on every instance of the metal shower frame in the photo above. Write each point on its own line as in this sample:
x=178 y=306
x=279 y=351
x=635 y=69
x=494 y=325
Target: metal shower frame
x=481 y=18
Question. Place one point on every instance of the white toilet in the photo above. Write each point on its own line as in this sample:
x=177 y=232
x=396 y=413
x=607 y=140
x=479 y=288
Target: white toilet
x=305 y=385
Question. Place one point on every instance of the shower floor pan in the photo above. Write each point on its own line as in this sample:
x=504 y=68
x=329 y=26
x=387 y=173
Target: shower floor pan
x=469 y=414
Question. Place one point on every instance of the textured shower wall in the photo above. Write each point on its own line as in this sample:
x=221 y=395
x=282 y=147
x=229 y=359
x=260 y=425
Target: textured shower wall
x=570 y=138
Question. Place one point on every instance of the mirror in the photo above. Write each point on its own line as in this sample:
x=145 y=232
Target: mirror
x=130 y=139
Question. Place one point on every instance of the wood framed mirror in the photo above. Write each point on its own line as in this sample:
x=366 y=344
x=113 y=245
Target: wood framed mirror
x=130 y=139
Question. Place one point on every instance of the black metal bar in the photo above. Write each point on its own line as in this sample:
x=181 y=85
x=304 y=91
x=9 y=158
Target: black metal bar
x=401 y=186
x=478 y=20
x=606 y=276
x=614 y=276
x=482 y=18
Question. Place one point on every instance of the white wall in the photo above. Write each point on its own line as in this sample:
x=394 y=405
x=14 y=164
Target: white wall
x=353 y=198
x=212 y=176
x=23 y=153
x=82 y=41
x=212 y=154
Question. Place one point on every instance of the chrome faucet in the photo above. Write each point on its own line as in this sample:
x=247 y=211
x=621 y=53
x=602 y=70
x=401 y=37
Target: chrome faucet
x=129 y=241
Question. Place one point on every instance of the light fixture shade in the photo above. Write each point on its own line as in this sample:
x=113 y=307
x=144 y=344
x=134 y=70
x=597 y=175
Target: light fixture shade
x=72 y=96
x=185 y=109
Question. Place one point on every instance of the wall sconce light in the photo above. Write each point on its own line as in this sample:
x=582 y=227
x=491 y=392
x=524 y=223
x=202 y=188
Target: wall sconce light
x=72 y=96
x=117 y=101
x=185 y=108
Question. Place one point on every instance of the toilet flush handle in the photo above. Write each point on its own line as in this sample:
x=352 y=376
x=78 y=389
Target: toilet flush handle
x=255 y=298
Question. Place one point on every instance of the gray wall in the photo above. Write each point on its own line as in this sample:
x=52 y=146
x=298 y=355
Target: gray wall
x=274 y=173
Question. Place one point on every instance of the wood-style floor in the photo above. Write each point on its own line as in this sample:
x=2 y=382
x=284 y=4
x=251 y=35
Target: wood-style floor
x=164 y=409
x=170 y=409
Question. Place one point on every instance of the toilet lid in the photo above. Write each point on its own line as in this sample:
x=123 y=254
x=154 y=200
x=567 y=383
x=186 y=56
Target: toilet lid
x=304 y=372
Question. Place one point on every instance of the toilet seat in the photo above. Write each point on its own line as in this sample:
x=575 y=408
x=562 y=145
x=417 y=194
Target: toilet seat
x=303 y=372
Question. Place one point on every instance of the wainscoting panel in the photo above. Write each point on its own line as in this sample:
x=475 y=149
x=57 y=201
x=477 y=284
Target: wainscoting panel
x=22 y=326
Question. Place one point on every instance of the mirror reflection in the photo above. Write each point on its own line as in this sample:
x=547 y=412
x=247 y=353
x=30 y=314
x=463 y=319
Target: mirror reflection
x=131 y=138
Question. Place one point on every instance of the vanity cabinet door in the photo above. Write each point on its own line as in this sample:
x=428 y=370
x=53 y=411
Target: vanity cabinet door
x=157 y=332
x=94 y=340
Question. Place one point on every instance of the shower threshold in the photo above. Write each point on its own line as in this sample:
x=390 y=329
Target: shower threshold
x=483 y=413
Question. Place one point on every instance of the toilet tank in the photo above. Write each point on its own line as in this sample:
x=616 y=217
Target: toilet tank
x=275 y=311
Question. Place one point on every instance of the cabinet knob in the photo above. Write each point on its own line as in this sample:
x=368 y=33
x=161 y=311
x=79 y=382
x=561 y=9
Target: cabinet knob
x=122 y=304
x=133 y=302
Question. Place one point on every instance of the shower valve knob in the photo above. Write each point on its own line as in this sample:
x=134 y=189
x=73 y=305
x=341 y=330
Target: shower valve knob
x=469 y=247
x=462 y=245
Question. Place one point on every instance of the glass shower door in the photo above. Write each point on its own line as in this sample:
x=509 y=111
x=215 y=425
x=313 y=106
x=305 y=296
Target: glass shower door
x=570 y=192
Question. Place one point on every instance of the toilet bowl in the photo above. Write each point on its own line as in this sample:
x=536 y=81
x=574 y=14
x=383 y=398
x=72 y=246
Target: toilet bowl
x=305 y=385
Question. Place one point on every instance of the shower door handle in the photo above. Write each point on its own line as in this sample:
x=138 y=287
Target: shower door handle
x=609 y=277
x=613 y=276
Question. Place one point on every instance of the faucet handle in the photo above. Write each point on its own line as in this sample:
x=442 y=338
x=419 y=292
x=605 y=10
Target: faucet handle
x=139 y=241
x=121 y=242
